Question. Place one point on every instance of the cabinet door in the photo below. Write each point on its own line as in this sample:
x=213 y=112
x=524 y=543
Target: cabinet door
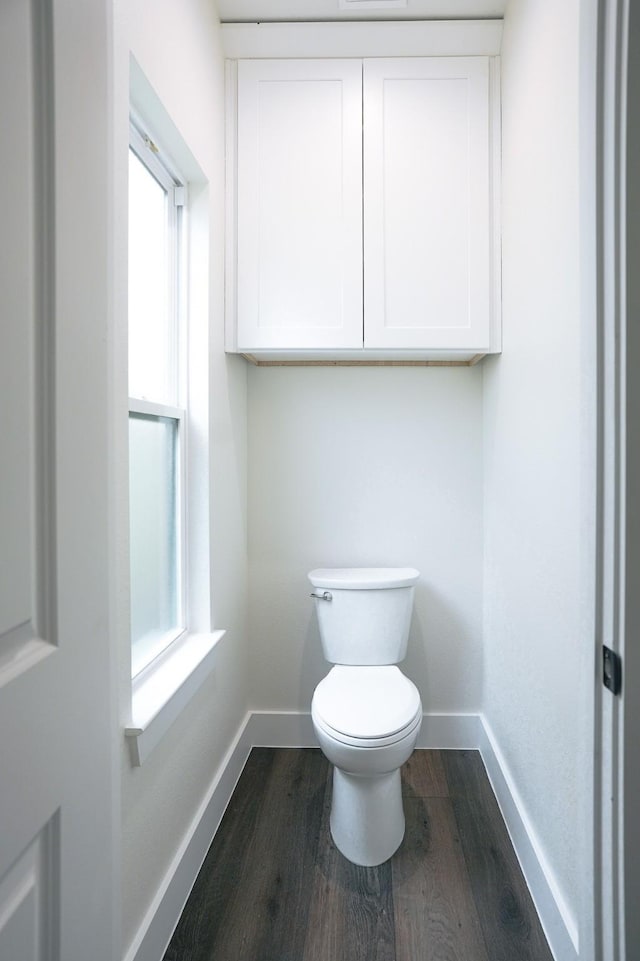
x=299 y=209
x=427 y=204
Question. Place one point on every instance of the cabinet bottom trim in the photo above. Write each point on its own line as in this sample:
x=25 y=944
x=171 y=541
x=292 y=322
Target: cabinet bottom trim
x=257 y=362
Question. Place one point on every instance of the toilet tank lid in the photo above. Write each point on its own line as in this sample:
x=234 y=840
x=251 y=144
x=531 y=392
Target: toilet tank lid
x=363 y=578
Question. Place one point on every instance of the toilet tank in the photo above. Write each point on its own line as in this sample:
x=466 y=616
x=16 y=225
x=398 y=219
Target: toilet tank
x=364 y=613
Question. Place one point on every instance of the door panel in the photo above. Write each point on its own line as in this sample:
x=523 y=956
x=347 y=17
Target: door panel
x=24 y=629
x=28 y=902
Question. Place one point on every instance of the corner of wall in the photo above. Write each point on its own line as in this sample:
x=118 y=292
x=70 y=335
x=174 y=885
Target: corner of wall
x=557 y=919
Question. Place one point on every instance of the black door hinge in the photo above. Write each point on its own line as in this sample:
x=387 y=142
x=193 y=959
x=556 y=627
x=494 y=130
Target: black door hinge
x=611 y=670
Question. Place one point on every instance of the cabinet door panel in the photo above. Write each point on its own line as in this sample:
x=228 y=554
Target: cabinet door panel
x=299 y=204
x=427 y=209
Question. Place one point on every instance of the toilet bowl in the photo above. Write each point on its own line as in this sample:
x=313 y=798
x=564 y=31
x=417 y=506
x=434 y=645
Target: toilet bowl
x=366 y=714
x=367 y=740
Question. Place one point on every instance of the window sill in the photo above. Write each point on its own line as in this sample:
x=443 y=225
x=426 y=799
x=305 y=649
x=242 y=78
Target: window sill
x=163 y=690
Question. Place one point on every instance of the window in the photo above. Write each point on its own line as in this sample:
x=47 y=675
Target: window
x=173 y=641
x=157 y=401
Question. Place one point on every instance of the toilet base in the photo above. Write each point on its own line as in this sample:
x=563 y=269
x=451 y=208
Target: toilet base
x=367 y=819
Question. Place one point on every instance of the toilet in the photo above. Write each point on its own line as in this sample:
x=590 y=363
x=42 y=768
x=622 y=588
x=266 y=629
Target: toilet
x=366 y=714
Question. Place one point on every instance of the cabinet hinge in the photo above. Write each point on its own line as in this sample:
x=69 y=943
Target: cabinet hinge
x=611 y=670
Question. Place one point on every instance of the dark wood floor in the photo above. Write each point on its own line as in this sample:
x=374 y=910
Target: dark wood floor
x=274 y=888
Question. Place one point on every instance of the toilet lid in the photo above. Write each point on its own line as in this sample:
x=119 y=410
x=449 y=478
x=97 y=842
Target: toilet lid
x=363 y=578
x=366 y=702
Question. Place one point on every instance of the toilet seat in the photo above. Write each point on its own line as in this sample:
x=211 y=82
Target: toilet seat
x=368 y=707
x=368 y=743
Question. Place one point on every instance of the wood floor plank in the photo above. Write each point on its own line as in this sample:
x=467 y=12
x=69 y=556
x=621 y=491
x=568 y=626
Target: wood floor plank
x=251 y=900
x=509 y=922
x=423 y=775
x=465 y=774
x=351 y=911
x=209 y=901
x=435 y=915
x=274 y=887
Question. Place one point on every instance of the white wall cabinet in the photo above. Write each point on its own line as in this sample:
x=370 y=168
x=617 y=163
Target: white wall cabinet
x=299 y=204
x=426 y=201
x=365 y=210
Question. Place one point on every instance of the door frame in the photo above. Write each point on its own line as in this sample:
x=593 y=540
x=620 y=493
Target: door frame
x=617 y=717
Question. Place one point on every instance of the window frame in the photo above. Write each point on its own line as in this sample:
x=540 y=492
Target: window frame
x=164 y=172
x=164 y=689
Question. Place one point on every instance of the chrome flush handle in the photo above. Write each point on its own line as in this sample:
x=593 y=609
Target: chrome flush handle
x=325 y=596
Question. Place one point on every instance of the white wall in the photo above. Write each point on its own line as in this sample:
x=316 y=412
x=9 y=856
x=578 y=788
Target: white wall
x=538 y=606
x=366 y=466
x=179 y=54
x=385 y=466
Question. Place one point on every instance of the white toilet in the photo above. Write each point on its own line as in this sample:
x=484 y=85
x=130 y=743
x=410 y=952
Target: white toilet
x=365 y=712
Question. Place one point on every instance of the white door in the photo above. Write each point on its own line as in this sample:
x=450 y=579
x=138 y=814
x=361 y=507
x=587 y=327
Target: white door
x=427 y=203
x=299 y=211
x=56 y=777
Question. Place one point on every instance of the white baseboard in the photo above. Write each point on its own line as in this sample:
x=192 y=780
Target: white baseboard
x=449 y=732
x=281 y=729
x=292 y=729
x=159 y=923
x=557 y=921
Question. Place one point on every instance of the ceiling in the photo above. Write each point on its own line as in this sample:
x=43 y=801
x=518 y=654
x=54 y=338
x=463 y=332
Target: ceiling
x=300 y=10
